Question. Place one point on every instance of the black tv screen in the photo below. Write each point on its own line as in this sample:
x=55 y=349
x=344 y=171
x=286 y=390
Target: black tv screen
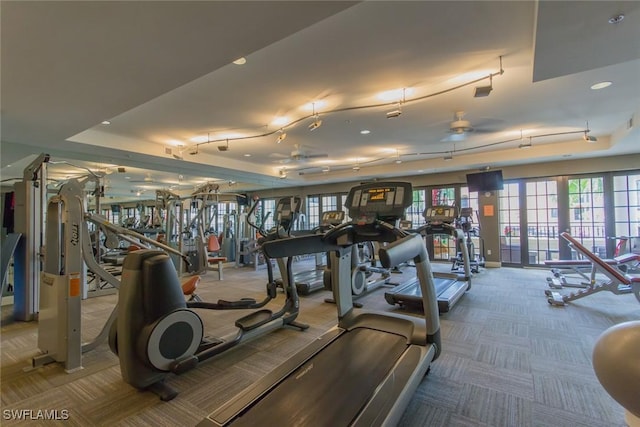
x=485 y=181
x=242 y=199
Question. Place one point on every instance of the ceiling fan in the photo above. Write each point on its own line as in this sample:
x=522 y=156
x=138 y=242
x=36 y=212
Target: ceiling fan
x=460 y=128
x=299 y=155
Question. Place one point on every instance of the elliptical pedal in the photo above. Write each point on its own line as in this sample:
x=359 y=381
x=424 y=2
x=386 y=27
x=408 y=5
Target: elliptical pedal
x=253 y=320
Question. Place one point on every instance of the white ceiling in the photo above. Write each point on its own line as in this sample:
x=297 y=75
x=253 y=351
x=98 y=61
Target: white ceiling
x=162 y=73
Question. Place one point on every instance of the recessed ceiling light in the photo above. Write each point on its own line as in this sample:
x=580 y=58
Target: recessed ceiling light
x=106 y=122
x=127 y=177
x=365 y=131
x=600 y=85
x=247 y=155
x=240 y=61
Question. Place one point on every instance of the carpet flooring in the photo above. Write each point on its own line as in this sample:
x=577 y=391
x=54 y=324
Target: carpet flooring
x=508 y=359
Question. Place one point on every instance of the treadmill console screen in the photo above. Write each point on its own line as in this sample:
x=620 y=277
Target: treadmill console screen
x=379 y=200
x=287 y=209
x=332 y=218
x=441 y=214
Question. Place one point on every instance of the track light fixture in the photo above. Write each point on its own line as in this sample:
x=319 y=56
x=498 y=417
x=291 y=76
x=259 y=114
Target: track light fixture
x=525 y=145
x=589 y=138
x=448 y=157
x=316 y=123
x=398 y=161
x=283 y=173
x=281 y=136
x=193 y=150
x=396 y=112
x=483 y=91
x=224 y=147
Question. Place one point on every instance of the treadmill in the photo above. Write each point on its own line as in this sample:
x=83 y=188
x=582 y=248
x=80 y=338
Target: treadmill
x=310 y=281
x=364 y=371
x=449 y=286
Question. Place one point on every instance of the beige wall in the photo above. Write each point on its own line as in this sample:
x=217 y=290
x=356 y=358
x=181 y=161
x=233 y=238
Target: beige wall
x=490 y=224
x=551 y=168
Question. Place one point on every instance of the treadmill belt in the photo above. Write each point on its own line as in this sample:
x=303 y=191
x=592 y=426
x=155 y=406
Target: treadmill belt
x=332 y=387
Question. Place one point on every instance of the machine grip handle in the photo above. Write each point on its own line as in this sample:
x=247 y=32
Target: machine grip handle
x=402 y=250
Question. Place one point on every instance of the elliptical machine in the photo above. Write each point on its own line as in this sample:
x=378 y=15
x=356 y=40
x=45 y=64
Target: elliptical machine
x=465 y=223
x=157 y=332
x=363 y=268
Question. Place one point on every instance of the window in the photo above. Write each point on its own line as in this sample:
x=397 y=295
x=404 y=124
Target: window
x=443 y=196
x=509 y=216
x=626 y=197
x=586 y=208
x=542 y=221
x=414 y=213
x=313 y=211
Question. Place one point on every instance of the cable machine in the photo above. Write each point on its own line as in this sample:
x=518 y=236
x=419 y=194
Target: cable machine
x=69 y=251
x=30 y=200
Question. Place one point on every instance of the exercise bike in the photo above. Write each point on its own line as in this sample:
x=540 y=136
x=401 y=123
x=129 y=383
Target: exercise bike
x=157 y=332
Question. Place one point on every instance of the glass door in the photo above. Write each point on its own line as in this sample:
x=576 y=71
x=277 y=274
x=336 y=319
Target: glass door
x=542 y=222
x=509 y=217
x=443 y=246
x=586 y=213
x=626 y=194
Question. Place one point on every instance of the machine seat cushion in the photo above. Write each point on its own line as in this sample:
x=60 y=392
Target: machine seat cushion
x=190 y=285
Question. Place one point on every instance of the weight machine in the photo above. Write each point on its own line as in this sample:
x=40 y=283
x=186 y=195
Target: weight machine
x=30 y=200
x=69 y=251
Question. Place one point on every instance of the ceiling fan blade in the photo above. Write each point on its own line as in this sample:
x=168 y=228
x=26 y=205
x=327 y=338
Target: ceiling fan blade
x=454 y=137
x=316 y=156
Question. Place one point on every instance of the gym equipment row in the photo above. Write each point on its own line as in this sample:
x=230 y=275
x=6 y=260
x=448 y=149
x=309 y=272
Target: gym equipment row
x=310 y=281
x=617 y=282
x=376 y=359
x=157 y=332
x=68 y=253
x=449 y=286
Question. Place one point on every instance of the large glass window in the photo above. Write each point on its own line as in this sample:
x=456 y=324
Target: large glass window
x=415 y=212
x=444 y=246
x=626 y=194
x=542 y=221
x=586 y=213
x=313 y=211
x=509 y=216
x=443 y=196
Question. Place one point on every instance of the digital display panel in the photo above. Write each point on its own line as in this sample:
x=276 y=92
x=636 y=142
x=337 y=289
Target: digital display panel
x=380 y=195
x=386 y=200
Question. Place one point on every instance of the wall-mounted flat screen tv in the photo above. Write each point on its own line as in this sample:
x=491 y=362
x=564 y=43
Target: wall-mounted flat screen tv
x=485 y=181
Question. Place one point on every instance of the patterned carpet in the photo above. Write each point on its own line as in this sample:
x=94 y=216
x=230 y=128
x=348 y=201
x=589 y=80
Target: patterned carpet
x=508 y=359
